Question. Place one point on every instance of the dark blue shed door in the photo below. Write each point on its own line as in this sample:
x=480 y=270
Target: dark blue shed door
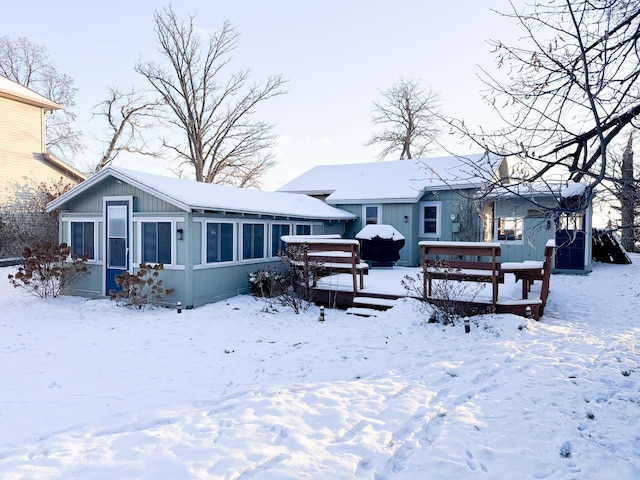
x=570 y=241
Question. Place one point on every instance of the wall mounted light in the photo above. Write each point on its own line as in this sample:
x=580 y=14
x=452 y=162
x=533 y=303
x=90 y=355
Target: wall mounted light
x=406 y=219
x=179 y=234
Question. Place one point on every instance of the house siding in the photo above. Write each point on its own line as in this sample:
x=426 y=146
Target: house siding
x=536 y=231
x=194 y=282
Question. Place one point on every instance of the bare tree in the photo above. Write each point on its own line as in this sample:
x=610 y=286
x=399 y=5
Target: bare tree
x=27 y=63
x=128 y=115
x=224 y=142
x=570 y=87
x=408 y=120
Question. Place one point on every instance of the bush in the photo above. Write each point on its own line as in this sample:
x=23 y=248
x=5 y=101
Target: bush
x=23 y=217
x=142 y=288
x=286 y=286
x=446 y=294
x=47 y=269
x=267 y=283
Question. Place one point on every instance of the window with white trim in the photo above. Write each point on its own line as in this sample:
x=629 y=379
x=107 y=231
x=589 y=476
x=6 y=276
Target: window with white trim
x=83 y=239
x=430 y=213
x=303 y=229
x=277 y=231
x=510 y=229
x=156 y=242
x=253 y=240
x=219 y=241
x=372 y=214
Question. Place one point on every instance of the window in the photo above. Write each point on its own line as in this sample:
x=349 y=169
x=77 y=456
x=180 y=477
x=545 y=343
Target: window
x=83 y=239
x=302 y=229
x=371 y=214
x=510 y=229
x=430 y=219
x=156 y=242
x=252 y=241
x=277 y=231
x=219 y=242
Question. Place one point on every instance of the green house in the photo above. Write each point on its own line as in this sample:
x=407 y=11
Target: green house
x=450 y=199
x=208 y=237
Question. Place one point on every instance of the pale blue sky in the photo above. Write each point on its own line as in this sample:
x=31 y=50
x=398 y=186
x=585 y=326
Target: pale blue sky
x=336 y=55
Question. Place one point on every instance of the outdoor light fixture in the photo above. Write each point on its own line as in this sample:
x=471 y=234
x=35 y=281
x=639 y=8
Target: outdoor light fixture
x=527 y=312
x=467 y=325
x=406 y=219
x=179 y=307
x=321 y=317
x=179 y=234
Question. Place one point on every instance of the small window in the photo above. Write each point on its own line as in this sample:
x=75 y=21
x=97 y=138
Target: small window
x=252 y=241
x=82 y=239
x=277 y=231
x=371 y=214
x=156 y=242
x=219 y=242
x=510 y=229
x=302 y=229
x=430 y=219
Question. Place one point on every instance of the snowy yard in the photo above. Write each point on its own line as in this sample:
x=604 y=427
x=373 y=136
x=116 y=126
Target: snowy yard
x=92 y=390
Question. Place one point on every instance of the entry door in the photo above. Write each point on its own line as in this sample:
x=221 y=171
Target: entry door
x=117 y=241
x=570 y=242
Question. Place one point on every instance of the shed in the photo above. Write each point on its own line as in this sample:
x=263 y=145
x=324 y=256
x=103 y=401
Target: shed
x=208 y=237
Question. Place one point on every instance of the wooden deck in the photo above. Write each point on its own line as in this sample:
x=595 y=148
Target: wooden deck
x=336 y=291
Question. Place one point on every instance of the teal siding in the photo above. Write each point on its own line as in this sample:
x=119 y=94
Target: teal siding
x=91 y=201
x=194 y=283
x=405 y=217
x=536 y=231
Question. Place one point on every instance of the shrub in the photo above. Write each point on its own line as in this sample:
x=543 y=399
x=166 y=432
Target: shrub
x=142 y=288
x=446 y=294
x=47 y=269
x=289 y=285
x=23 y=217
x=267 y=283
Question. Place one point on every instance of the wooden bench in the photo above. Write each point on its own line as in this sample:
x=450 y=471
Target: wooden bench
x=529 y=271
x=327 y=253
x=461 y=261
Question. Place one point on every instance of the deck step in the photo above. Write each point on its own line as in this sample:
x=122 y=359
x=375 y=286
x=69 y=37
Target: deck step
x=374 y=302
x=363 y=312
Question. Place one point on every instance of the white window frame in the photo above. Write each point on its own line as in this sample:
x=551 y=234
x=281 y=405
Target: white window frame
x=203 y=230
x=266 y=255
x=270 y=241
x=96 y=241
x=438 y=232
x=517 y=219
x=138 y=221
x=378 y=207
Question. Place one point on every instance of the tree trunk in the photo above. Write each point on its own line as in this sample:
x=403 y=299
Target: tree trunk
x=627 y=198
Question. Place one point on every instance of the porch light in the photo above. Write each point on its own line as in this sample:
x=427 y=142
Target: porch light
x=179 y=234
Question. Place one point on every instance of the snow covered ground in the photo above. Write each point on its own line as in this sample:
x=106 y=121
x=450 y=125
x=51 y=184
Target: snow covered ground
x=92 y=390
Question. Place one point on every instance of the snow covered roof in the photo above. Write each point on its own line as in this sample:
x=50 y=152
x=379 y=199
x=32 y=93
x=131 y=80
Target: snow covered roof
x=573 y=189
x=15 y=91
x=532 y=189
x=390 y=182
x=190 y=196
